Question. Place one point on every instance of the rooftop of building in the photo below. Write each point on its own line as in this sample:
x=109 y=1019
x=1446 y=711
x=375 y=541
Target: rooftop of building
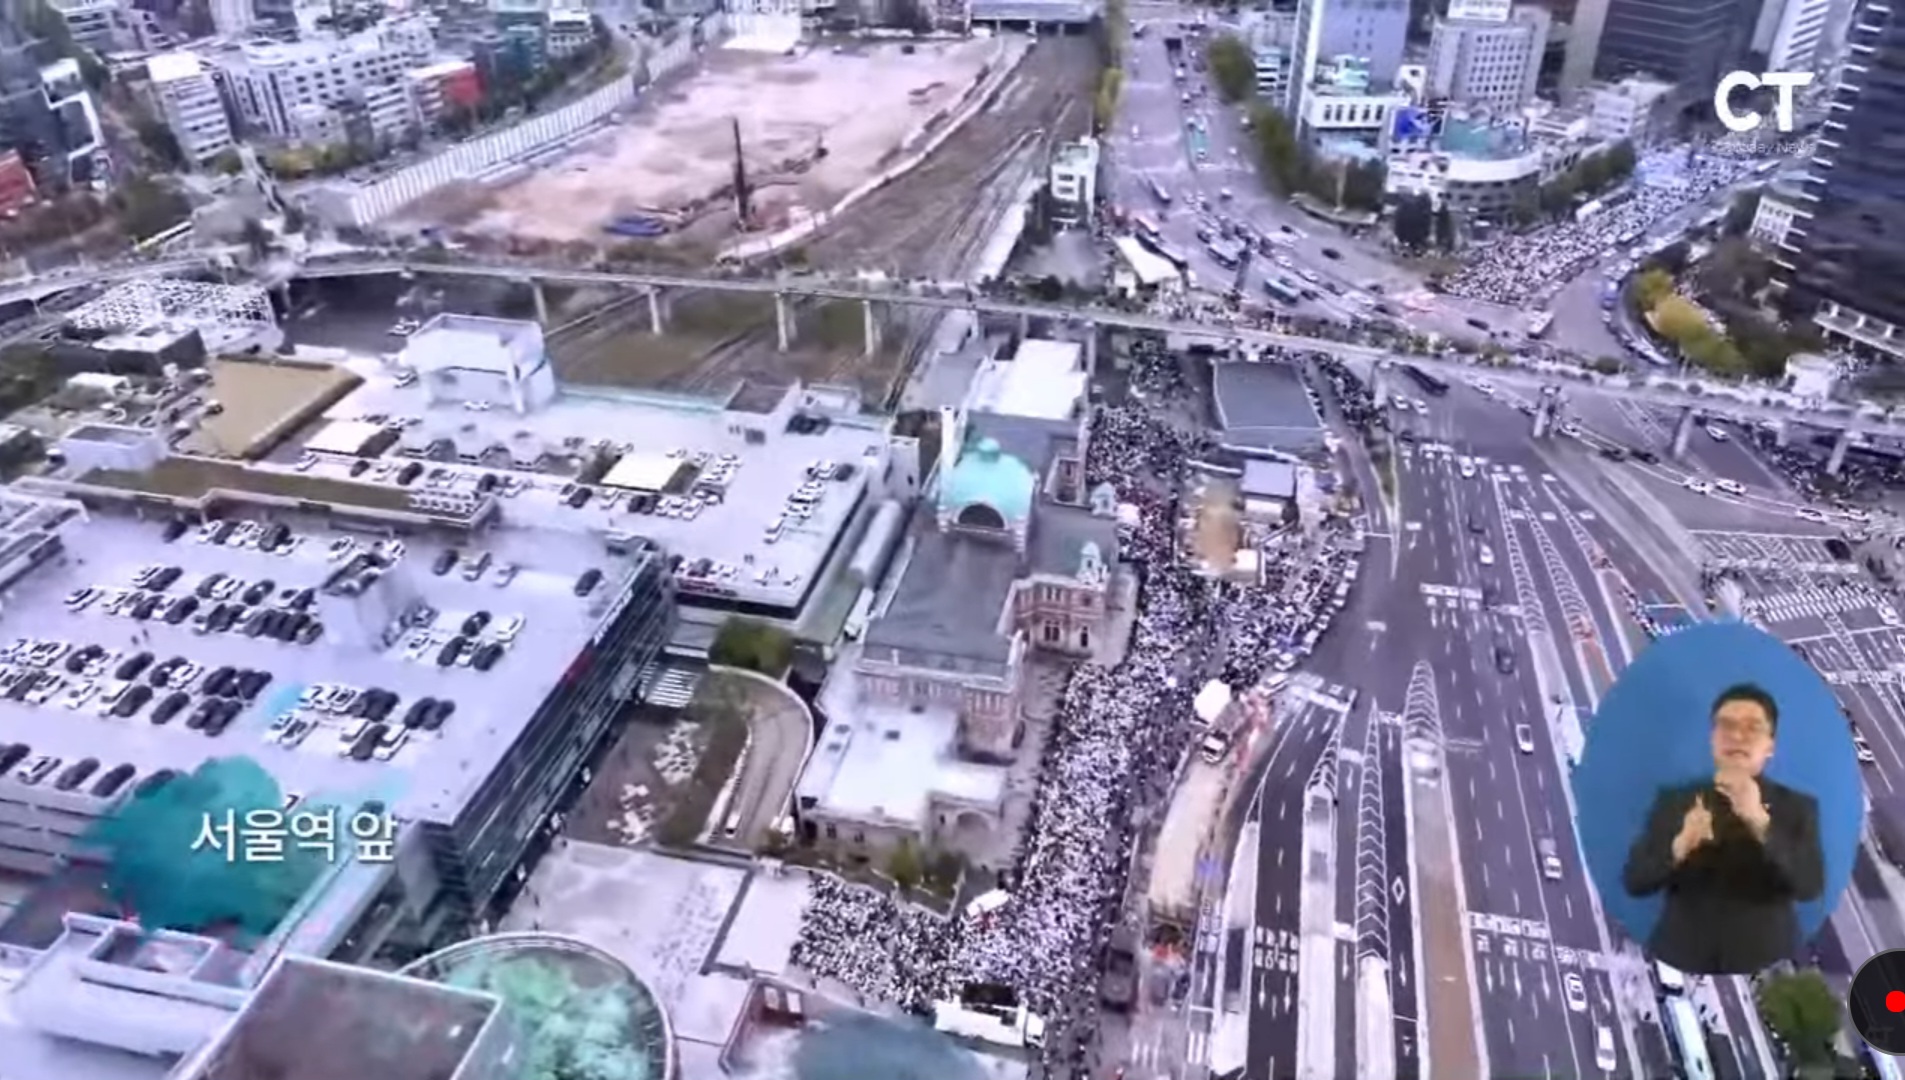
x=758 y=458
x=314 y=1020
x=433 y=775
x=1044 y=380
x=951 y=595
x=171 y=67
x=1480 y=139
x=1256 y=396
x=886 y=762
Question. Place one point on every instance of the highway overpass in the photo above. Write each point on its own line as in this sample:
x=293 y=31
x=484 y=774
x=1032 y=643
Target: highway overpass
x=1686 y=394
x=1743 y=403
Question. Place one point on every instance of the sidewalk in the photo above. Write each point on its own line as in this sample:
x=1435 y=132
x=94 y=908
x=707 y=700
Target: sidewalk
x=1451 y=1024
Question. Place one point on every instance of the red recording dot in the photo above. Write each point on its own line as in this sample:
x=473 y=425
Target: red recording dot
x=1895 y=1001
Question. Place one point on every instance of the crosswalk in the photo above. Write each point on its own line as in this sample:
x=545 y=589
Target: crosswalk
x=1807 y=604
x=1514 y=938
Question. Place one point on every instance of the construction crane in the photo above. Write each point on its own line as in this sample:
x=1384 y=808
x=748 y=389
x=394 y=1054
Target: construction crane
x=743 y=198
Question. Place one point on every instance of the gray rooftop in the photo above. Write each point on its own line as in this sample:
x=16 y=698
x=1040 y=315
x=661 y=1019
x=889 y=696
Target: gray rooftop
x=733 y=534
x=1033 y=440
x=313 y=1020
x=431 y=777
x=1261 y=395
x=1269 y=480
x=951 y=597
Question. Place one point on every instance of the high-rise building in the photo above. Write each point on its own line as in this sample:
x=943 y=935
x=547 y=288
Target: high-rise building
x=191 y=106
x=1373 y=32
x=1689 y=43
x=233 y=18
x=1490 y=62
x=1790 y=32
x=1844 y=255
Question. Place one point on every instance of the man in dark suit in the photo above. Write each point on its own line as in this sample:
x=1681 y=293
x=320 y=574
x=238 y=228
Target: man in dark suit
x=1733 y=853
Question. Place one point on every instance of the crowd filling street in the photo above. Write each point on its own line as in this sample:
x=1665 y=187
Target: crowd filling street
x=1525 y=268
x=1116 y=742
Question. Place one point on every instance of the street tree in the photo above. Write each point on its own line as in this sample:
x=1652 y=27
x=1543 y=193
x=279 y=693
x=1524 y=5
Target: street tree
x=1232 y=69
x=1804 y=1011
x=1414 y=221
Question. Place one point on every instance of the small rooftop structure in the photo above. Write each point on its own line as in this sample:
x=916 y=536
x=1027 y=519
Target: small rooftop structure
x=1262 y=407
x=1268 y=480
x=986 y=476
x=173 y=66
x=1043 y=380
x=474 y=358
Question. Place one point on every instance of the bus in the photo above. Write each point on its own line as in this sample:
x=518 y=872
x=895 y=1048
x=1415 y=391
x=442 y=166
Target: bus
x=1280 y=289
x=1161 y=195
x=1169 y=255
x=1539 y=322
x=1146 y=230
x=1430 y=385
x=998 y=1027
x=1689 y=1039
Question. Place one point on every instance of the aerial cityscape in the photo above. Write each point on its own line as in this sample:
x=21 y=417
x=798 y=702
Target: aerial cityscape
x=1190 y=485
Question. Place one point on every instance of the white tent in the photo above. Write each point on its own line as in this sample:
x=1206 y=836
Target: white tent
x=1211 y=701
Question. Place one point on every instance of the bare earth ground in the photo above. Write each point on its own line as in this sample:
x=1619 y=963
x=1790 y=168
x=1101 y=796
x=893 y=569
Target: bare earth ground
x=926 y=223
x=813 y=127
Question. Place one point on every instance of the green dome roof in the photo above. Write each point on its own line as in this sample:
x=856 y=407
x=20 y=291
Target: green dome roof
x=986 y=474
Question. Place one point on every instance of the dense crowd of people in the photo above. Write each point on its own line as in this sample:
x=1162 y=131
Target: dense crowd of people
x=1524 y=267
x=1115 y=745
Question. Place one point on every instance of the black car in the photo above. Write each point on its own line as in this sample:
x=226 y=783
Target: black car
x=1838 y=549
x=252 y=683
x=418 y=712
x=131 y=667
x=169 y=706
x=1476 y=524
x=1504 y=660
x=474 y=625
x=452 y=649
x=1643 y=455
x=259 y=592
x=445 y=562
x=1613 y=453
x=218 y=680
x=585 y=584
x=173 y=530
x=438 y=714
x=360 y=467
x=486 y=656
x=132 y=700
x=1332 y=253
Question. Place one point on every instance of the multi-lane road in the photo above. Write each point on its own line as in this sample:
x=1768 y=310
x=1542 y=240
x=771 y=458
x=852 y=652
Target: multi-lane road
x=1504 y=573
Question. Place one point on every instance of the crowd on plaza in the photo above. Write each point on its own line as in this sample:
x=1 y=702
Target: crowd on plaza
x=1114 y=745
x=1525 y=267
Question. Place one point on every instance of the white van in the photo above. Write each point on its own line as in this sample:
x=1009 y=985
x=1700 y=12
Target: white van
x=1604 y=1058
x=1550 y=859
x=1731 y=487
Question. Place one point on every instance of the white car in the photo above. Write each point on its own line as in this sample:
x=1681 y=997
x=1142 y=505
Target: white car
x=1698 y=487
x=1731 y=487
x=1576 y=992
x=1482 y=387
x=1468 y=469
x=1864 y=749
x=1807 y=513
x=1716 y=433
x=1486 y=555
x=1888 y=616
x=1524 y=738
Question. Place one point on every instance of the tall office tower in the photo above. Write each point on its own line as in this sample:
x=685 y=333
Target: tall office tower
x=1796 y=36
x=1689 y=43
x=1844 y=257
x=1373 y=30
x=1487 y=58
x=233 y=18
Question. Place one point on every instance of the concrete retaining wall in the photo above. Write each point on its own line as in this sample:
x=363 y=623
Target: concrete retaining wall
x=983 y=94
x=494 y=155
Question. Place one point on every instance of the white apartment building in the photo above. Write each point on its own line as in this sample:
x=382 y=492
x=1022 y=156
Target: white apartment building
x=1632 y=109
x=1074 y=183
x=269 y=82
x=99 y=25
x=190 y=105
x=1488 y=63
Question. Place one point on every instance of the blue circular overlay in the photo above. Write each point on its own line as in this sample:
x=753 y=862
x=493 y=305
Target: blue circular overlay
x=1654 y=730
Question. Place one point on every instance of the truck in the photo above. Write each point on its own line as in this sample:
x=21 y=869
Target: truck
x=1120 y=986
x=1219 y=715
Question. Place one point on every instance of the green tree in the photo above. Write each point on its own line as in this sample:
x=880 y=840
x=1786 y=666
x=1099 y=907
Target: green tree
x=903 y=865
x=1650 y=287
x=1444 y=228
x=1804 y=1011
x=753 y=645
x=159 y=868
x=1232 y=69
x=227 y=161
x=1742 y=211
x=1280 y=157
x=1672 y=258
x=1414 y=221
x=1619 y=161
x=1363 y=185
x=147 y=207
x=1105 y=106
x=1677 y=320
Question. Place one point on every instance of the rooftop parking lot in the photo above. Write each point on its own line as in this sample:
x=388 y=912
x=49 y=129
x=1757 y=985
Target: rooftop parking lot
x=719 y=499
x=517 y=592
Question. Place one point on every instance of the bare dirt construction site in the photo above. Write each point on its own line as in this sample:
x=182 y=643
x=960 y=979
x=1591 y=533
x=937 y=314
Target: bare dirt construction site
x=930 y=222
x=813 y=127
